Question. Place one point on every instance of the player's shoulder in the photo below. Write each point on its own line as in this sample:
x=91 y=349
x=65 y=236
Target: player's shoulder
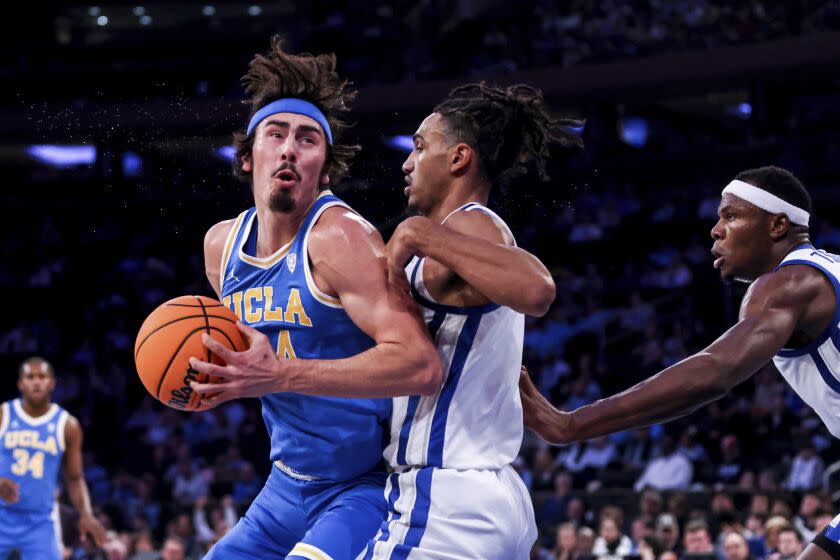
x=480 y=223
x=216 y=236
x=340 y=228
x=789 y=285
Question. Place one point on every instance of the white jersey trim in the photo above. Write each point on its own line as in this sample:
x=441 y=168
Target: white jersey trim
x=62 y=424
x=326 y=299
x=4 y=423
x=39 y=421
x=227 y=251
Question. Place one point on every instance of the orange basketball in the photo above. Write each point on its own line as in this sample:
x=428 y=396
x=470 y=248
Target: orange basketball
x=170 y=336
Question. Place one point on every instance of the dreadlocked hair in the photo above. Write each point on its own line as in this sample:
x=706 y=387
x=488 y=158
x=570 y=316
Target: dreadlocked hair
x=276 y=75
x=508 y=128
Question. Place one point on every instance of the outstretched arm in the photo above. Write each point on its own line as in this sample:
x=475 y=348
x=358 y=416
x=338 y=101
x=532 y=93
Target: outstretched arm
x=77 y=488
x=349 y=255
x=476 y=249
x=773 y=306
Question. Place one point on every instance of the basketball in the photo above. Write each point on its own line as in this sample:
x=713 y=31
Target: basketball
x=170 y=336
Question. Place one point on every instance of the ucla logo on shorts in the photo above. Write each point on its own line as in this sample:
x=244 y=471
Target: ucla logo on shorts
x=291 y=261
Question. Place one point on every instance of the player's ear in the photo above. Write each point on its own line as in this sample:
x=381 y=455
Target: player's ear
x=460 y=156
x=246 y=163
x=779 y=226
x=325 y=179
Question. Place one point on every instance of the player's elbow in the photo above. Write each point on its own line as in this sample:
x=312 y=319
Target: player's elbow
x=428 y=376
x=539 y=296
x=545 y=293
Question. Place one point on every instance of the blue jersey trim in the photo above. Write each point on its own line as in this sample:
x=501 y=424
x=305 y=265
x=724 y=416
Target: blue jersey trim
x=419 y=515
x=825 y=373
x=413 y=402
x=459 y=358
x=832 y=330
x=455 y=310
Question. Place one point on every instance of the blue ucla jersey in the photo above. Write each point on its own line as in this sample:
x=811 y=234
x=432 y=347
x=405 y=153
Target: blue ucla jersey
x=322 y=437
x=31 y=454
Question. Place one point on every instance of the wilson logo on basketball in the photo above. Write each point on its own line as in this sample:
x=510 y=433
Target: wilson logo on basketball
x=181 y=397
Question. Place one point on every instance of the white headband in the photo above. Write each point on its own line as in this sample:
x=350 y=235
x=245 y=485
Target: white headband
x=767 y=201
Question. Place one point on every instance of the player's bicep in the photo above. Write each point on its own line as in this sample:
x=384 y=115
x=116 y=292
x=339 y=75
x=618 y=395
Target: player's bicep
x=353 y=264
x=73 y=448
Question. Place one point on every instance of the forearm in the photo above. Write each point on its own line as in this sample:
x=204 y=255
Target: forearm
x=388 y=369
x=77 y=491
x=504 y=274
x=674 y=392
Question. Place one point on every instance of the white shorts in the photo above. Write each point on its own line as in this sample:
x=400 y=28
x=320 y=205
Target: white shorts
x=445 y=514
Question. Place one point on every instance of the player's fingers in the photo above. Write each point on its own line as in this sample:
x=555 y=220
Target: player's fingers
x=251 y=334
x=218 y=348
x=208 y=389
x=211 y=369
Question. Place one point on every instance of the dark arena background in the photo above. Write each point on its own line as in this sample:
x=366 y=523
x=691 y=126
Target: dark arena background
x=116 y=123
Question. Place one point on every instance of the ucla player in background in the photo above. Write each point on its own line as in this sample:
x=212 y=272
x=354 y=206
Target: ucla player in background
x=790 y=315
x=38 y=439
x=308 y=275
x=453 y=493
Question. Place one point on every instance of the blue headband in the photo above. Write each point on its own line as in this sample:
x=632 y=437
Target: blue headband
x=292 y=105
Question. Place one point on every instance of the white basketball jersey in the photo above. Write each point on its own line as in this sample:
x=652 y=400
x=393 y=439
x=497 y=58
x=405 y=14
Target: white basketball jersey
x=814 y=371
x=475 y=420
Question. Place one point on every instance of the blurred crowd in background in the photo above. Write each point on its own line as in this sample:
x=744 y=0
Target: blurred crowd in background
x=624 y=231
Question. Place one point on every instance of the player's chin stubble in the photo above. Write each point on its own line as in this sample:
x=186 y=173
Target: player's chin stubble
x=281 y=201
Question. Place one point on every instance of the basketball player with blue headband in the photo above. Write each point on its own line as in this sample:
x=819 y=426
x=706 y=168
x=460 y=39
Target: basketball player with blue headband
x=790 y=315
x=306 y=276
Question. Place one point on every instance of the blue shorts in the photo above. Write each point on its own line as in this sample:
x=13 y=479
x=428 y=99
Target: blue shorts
x=312 y=520
x=32 y=535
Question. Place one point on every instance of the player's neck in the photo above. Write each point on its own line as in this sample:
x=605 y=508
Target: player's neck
x=459 y=194
x=276 y=229
x=783 y=249
x=35 y=410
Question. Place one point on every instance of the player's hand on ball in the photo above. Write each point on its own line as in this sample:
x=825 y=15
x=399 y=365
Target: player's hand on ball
x=9 y=490
x=90 y=525
x=253 y=373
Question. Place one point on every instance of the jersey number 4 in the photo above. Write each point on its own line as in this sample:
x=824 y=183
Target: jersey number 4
x=25 y=463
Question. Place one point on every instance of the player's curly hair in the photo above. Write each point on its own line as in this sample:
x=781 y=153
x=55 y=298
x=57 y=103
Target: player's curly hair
x=278 y=74
x=508 y=128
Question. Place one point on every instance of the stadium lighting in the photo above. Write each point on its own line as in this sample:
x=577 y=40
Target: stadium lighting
x=227 y=152
x=254 y=10
x=94 y=11
x=403 y=143
x=633 y=131
x=145 y=20
x=138 y=11
x=208 y=11
x=63 y=156
x=102 y=21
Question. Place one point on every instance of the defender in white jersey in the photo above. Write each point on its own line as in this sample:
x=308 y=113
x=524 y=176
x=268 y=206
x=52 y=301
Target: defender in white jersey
x=453 y=493
x=790 y=315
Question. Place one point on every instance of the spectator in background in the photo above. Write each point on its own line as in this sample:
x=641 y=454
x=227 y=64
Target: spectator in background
x=790 y=544
x=732 y=465
x=807 y=468
x=735 y=547
x=668 y=533
x=585 y=542
x=565 y=544
x=670 y=471
x=173 y=549
x=698 y=539
x=772 y=529
x=611 y=544
x=554 y=508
